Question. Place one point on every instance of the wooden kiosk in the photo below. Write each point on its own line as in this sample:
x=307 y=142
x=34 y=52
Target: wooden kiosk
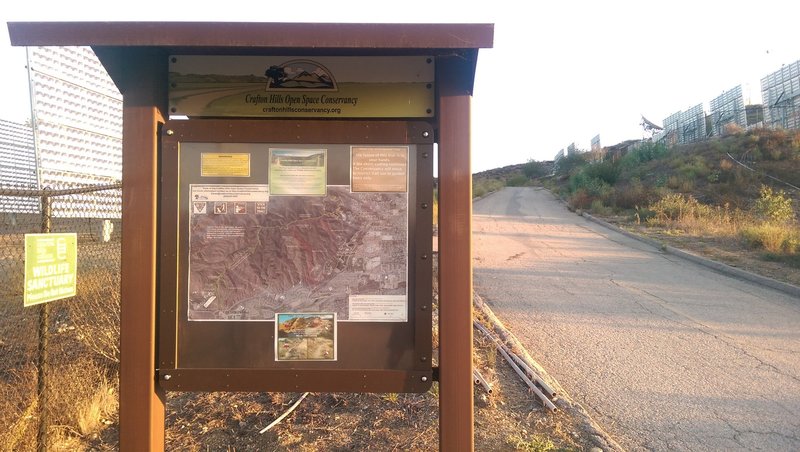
x=320 y=138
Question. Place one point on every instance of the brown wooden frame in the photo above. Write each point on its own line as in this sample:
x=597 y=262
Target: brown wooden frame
x=335 y=376
x=134 y=54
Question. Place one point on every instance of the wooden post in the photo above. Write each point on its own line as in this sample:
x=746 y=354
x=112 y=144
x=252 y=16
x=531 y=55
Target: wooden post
x=141 y=401
x=455 y=264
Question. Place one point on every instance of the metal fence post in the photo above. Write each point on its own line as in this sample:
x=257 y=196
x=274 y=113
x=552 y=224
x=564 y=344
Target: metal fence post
x=44 y=322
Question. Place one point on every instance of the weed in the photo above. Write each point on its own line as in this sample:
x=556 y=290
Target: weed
x=391 y=397
x=538 y=443
x=94 y=413
x=482 y=187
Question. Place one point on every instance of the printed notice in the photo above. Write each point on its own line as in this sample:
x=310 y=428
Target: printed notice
x=214 y=164
x=50 y=267
x=379 y=169
x=305 y=337
x=298 y=172
x=378 y=308
x=219 y=195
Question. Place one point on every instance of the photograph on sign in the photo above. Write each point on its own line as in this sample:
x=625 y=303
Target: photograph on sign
x=50 y=267
x=379 y=169
x=322 y=87
x=305 y=337
x=310 y=247
x=216 y=164
x=298 y=172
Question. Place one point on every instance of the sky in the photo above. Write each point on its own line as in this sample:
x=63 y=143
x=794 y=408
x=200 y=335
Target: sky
x=559 y=71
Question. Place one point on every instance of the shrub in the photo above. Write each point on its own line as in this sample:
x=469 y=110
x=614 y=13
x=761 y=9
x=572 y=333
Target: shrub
x=482 y=187
x=633 y=195
x=645 y=153
x=774 y=207
x=607 y=172
x=517 y=181
x=772 y=237
x=570 y=164
x=599 y=208
x=580 y=199
x=533 y=169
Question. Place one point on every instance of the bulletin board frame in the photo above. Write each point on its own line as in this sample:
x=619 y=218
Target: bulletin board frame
x=235 y=355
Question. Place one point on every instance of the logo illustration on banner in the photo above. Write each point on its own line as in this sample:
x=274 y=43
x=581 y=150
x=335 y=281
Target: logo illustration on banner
x=300 y=75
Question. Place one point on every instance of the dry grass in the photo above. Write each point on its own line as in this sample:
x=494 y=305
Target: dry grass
x=775 y=238
x=82 y=395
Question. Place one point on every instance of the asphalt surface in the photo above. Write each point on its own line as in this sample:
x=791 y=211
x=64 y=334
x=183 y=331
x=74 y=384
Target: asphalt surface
x=663 y=353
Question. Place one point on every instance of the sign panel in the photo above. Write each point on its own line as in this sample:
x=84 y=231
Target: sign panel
x=318 y=87
x=305 y=337
x=50 y=267
x=298 y=171
x=313 y=272
x=225 y=165
x=297 y=244
x=379 y=169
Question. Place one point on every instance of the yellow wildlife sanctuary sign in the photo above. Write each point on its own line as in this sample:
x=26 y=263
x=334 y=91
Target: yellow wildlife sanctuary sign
x=50 y=267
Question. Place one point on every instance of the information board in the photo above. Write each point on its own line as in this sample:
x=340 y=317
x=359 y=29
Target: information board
x=307 y=251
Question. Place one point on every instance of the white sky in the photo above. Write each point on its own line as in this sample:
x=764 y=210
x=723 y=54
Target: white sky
x=560 y=71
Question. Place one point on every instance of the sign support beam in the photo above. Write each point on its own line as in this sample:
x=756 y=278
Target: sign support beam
x=141 y=404
x=456 y=429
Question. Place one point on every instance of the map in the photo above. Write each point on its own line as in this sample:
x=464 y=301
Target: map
x=252 y=257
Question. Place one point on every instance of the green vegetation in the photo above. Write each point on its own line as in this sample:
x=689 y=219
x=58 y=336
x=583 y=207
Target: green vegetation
x=537 y=443
x=702 y=189
x=482 y=187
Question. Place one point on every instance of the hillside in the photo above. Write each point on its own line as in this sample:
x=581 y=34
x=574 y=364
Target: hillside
x=733 y=198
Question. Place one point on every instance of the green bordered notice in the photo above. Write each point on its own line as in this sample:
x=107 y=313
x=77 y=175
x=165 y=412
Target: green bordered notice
x=50 y=267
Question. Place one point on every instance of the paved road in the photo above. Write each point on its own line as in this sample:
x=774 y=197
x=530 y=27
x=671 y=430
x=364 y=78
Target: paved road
x=664 y=354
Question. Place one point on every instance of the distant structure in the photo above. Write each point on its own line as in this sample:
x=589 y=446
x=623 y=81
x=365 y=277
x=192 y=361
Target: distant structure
x=727 y=108
x=77 y=129
x=17 y=156
x=683 y=126
x=596 y=149
x=571 y=150
x=77 y=117
x=755 y=115
x=17 y=166
x=780 y=92
x=649 y=127
x=595 y=143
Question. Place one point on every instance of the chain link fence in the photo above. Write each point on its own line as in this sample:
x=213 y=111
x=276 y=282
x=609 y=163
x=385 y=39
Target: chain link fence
x=59 y=361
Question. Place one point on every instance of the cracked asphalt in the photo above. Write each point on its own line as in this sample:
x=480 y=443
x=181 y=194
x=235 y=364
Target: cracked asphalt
x=663 y=353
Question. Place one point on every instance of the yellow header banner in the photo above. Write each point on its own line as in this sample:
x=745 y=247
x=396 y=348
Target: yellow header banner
x=323 y=87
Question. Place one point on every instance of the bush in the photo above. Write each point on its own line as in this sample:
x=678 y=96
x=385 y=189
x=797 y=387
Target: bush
x=533 y=169
x=581 y=199
x=774 y=207
x=607 y=172
x=482 y=187
x=677 y=207
x=517 y=181
x=570 y=164
x=772 y=237
x=599 y=208
x=633 y=195
x=645 y=153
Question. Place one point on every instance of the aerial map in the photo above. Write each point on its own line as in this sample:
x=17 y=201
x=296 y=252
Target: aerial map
x=339 y=253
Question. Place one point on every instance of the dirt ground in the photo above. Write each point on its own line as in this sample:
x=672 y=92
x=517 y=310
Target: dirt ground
x=510 y=418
